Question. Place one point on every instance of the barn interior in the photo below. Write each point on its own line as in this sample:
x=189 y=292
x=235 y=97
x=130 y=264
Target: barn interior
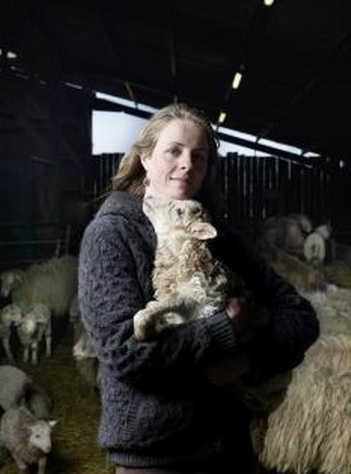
x=57 y=59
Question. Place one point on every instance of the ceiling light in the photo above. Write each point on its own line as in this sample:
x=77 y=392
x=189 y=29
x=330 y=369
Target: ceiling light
x=222 y=117
x=237 y=80
x=268 y=3
x=9 y=54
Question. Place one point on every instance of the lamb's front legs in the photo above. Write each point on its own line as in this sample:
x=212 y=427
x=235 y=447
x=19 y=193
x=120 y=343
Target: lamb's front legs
x=151 y=320
x=42 y=465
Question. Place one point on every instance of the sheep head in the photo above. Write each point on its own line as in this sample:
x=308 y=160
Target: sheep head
x=9 y=280
x=186 y=217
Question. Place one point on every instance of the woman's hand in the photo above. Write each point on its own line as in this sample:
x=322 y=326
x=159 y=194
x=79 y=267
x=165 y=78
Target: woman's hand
x=227 y=370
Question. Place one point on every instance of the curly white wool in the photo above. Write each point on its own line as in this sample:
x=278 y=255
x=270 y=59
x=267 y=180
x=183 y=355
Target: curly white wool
x=189 y=282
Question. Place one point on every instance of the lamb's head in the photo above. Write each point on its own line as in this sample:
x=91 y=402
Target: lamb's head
x=183 y=217
x=28 y=324
x=9 y=280
x=40 y=434
x=324 y=230
x=11 y=314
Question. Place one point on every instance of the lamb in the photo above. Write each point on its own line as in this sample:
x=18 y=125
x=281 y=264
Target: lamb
x=53 y=283
x=314 y=247
x=9 y=315
x=27 y=438
x=32 y=328
x=189 y=283
x=311 y=429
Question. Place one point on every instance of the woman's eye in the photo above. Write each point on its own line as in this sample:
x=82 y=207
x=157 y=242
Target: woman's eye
x=174 y=151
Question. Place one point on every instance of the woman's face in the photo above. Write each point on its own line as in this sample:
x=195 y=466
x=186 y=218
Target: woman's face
x=177 y=165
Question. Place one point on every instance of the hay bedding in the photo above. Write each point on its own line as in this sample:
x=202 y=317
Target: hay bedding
x=76 y=406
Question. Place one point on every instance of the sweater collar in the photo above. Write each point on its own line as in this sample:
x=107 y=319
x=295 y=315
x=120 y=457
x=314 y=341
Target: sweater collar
x=119 y=202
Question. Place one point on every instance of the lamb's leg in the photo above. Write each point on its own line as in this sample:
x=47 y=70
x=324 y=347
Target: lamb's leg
x=150 y=321
x=7 y=349
x=42 y=465
x=34 y=349
x=48 y=340
x=26 y=353
x=22 y=466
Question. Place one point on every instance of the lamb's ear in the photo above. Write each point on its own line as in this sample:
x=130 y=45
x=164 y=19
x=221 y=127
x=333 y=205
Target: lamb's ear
x=203 y=230
x=52 y=423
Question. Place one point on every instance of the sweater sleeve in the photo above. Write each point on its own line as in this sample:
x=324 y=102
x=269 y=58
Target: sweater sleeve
x=293 y=326
x=111 y=292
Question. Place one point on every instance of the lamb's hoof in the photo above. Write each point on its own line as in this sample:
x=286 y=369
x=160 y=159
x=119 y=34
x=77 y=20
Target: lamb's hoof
x=139 y=324
x=144 y=327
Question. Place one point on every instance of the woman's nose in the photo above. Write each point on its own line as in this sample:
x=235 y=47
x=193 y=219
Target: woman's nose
x=185 y=160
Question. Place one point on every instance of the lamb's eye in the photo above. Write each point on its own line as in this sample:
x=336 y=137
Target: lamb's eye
x=180 y=212
x=196 y=211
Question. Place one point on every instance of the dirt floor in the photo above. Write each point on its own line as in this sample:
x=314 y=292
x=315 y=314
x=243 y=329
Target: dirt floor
x=76 y=407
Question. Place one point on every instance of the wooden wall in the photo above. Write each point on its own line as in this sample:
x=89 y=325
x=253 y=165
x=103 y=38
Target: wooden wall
x=45 y=141
x=255 y=188
x=258 y=187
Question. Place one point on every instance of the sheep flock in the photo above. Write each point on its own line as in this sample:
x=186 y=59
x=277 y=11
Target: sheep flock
x=309 y=429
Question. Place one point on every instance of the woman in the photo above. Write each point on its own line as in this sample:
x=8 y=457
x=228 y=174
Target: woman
x=164 y=409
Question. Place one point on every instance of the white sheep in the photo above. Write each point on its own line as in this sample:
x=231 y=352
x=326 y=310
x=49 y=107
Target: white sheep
x=53 y=283
x=27 y=438
x=314 y=247
x=188 y=282
x=83 y=348
x=34 y=326
x=9 y=315
x=311 y=429
x=17 y=388
x=333 y=308
x=288 y=232
x=304 y=222
x=86 y=361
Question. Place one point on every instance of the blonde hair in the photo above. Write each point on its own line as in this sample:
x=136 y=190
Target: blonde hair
x=130 y=174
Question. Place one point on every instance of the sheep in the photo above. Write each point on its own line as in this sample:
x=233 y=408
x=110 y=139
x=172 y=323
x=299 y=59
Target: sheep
x=75 y=318
x=17 y=388
x=86 y=361
x=314 y=247
x=311 y=429
x=83 y=348
x=53 y=283
x=288 y=232
x=333 y=308
x=188 y=282
x=32 y=328
x=304 y=222
x=9 y=315
x=27 y=438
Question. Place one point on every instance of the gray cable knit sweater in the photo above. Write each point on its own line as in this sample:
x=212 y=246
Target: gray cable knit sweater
x=157 y=408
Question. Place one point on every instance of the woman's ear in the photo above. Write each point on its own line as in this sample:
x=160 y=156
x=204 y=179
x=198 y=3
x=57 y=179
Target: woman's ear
x=145 y=160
